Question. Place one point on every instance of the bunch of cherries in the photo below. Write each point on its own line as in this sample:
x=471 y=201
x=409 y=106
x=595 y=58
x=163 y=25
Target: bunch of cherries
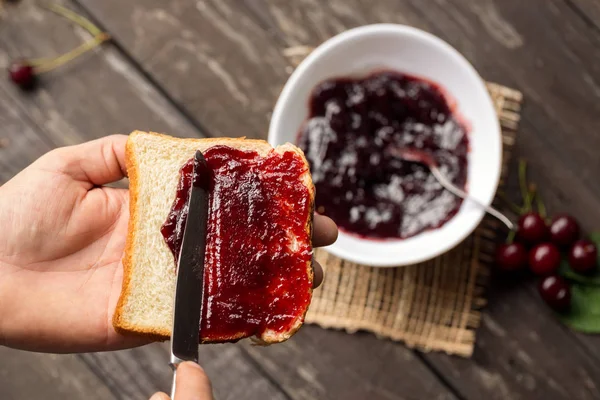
x=538 y=246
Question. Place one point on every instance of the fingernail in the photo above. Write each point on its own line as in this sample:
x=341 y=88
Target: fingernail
x=192 y=364
x=160 y=396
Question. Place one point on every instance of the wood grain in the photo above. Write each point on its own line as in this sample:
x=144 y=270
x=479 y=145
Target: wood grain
x=20 y=142
x=326 y=364
x=136 y=374
x=215 y=61
x=94 y=96
x=521 y=352
x=588 y=10
x=50 y=377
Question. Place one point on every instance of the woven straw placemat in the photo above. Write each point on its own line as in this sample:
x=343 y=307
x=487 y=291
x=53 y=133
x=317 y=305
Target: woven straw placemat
x=434 y=305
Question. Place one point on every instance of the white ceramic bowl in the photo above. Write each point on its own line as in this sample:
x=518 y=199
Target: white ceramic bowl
x=361 y=50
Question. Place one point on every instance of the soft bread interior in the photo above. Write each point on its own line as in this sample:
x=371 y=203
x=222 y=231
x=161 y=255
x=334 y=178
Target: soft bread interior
x=153 y=163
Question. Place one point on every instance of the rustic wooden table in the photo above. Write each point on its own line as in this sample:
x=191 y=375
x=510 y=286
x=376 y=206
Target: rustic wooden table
x=215 y=68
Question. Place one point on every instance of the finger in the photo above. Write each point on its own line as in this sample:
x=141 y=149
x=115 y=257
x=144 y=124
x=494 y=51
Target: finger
x=318 y=274
x=98 y=162
x=160 y=396
x=192 y=383
x=325 y=231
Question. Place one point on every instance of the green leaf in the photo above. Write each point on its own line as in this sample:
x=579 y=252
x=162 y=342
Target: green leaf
x=566 y=272
x=584 y=315
x=595 y=237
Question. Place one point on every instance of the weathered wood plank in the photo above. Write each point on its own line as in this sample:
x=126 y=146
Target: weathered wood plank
x=19 y=141
x=34 y=376
x=589 y=10
x=94 y=96
x=521 y=353
x=324 y=364
x=136 y=374
x=215 y=60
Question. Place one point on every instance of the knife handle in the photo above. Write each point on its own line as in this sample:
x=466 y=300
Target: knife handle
x=175 y=361
x=174 y=381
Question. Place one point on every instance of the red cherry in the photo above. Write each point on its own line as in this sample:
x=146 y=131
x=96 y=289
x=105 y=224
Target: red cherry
x=511 y=257
x=532 y=228
x=583 y=256
x=544 y=259
x=564 y=230
x=556 y=292
x=22 y=74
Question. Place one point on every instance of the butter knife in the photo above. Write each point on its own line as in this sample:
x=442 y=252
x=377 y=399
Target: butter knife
x=187 y=310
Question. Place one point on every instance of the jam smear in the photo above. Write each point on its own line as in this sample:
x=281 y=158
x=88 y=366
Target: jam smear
x=361 y=185
x=257 y=247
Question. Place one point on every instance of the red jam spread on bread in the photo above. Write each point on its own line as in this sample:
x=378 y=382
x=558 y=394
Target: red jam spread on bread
x=258 y=247
x=361 y=186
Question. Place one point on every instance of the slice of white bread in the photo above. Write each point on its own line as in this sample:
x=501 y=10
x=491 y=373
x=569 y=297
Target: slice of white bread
x=153 y=164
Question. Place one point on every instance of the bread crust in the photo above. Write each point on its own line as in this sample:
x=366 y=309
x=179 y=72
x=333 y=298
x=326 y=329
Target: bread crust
x=120 y=323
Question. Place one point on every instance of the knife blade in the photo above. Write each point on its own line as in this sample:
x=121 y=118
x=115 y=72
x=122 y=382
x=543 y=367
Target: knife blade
x=189 y=289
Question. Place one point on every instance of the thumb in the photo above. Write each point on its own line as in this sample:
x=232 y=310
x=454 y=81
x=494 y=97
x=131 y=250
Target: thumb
x=160 y=396
x=192 y=383
x=97 y=162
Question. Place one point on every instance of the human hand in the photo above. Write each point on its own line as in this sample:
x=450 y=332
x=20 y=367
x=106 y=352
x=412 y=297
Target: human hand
x=191 y=384
x=60 y=256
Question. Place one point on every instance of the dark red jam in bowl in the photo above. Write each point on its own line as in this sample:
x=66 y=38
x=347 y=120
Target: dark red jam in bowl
x=361 y=186
x=259 y=209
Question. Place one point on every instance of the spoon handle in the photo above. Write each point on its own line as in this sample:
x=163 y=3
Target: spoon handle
x=463 y=195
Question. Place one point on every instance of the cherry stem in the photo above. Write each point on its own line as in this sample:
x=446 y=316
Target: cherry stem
x=514 y=208
x=76 y=18
x=525 y=193
x=511 y=236
x=37 y=62
x=58 y=61
x=531 y=194
x=541 y=206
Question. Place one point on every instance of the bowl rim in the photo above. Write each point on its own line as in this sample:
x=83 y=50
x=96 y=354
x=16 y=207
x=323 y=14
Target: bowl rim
x=439 y=44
